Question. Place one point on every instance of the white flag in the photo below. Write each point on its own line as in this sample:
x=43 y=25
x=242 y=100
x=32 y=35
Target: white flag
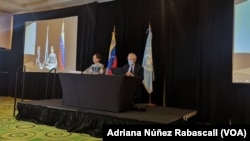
x=46 y=46
x=148 y=64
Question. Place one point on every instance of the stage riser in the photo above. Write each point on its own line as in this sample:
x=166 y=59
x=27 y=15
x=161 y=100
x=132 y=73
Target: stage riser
x=84 y=120
x=70 y=120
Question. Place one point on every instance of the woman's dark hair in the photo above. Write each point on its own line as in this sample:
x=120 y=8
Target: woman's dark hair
x=98 y=56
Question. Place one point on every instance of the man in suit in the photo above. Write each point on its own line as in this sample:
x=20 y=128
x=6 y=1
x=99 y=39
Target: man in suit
x=132 y=69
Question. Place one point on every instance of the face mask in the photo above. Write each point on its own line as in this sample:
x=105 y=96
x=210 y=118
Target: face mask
x=130 y=62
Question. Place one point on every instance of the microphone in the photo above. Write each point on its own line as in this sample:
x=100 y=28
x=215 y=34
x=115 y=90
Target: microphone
x=80 y=67
x=52 y=70
x=23 y=67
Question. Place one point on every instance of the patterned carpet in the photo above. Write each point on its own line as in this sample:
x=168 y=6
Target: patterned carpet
x=13 y=130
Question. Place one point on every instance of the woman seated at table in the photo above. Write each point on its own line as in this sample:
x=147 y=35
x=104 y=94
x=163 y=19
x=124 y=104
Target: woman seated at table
x=96 y=67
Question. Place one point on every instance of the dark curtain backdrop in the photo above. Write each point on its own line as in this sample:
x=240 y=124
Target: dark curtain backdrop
x=4 y=53
x=215 y=60
x=192 y=50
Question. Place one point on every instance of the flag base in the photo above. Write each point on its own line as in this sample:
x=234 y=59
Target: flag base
x=149 y=103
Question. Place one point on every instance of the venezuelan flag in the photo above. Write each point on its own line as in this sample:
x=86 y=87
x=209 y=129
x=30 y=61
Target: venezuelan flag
x=112 y=61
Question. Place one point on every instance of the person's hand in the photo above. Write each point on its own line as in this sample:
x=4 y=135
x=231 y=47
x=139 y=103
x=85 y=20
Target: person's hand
x=129 y=74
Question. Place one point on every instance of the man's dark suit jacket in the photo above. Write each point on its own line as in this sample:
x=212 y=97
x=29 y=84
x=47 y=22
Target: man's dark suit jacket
x=138 y=70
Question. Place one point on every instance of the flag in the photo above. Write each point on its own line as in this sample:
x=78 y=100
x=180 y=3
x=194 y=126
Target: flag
x=148 y=64
x=61 y=50
x=112 y=60
x=46 y=46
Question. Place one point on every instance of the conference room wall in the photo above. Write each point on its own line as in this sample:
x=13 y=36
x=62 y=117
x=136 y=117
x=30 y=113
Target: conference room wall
x=5 y=30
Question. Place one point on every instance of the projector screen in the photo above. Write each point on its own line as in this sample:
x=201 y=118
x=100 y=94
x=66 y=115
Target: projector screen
x=241 y=43
x=50 y=44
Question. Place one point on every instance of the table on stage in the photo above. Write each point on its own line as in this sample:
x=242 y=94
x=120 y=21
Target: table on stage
x=100 y=92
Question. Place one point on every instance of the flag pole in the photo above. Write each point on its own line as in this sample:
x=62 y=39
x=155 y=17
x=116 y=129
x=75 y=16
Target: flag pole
x=150 y=101
x=147 y=64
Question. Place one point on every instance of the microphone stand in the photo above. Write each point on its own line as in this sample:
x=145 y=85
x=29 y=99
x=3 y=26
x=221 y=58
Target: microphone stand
x=47 y=82
x=81 y=68
x=24 y=68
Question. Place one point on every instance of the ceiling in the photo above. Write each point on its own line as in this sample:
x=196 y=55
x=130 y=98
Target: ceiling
x=239 y=1
x=25 y=6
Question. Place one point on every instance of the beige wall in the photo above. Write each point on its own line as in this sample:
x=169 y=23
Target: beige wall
x=5 y=30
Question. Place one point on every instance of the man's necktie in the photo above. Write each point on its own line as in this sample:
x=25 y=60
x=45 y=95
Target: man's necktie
x=131 y=69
